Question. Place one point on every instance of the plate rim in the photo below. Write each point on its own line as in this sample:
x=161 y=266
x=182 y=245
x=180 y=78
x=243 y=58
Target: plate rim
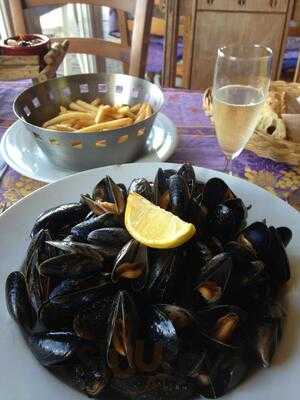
x=158 y=164
x=15 y=166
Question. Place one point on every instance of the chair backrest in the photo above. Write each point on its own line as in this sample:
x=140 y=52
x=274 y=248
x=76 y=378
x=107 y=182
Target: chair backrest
x=135 y=56
x=180 y=21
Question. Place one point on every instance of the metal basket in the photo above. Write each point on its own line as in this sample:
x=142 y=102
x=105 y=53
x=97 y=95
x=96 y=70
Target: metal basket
x=80 y=151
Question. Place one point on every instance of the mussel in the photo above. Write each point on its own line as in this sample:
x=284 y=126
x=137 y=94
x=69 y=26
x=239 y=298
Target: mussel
x=81 y=231
x=17 y=301
x=59 y=220
x=131 y=264
x=123 y=329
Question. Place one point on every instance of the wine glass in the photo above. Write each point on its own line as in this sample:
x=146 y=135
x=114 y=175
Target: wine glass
x=241 y=83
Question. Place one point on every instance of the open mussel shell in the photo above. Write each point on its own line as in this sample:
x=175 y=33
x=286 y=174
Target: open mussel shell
x=52 y=348
x=69 y=266
x=191 y=346
x=267 y=328
x=161 y=195
x=256 y=238
x=188 y=174
x=123 y=327
x=131 y=264
x=142 y=187
x=213 y=281
x=60 y=219
x=215 y=192
x=159 y=339
x=223 y=325
x=17 y=301
x=109 y=240
x=220 y=373
x=81 y=231
x=108 y=197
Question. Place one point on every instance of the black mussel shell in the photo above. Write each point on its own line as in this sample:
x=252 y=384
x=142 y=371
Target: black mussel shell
x=221 y=373
x=69 y=266
x=216 y=192
x=131 y=264
x=107 y=197
x=278 y=261
x=227 y=219
x=91 y=321
x=161 y=195
x=179 y=195
x=163 y=276
x=256 y=238
x=158 y=386
x=90 y=375
x=81 y=248
x=142 y=187
x=83 y=229
x=59 y=219
x=159 y=341
x=223 y=325
x=285 y=235
x=213 y=281
x=58 y=312
x=123 y=328
x=266 y=332
x=17 y=301
x=188 y=173
x=53 y=348
x=191 y=345
x=109 y=240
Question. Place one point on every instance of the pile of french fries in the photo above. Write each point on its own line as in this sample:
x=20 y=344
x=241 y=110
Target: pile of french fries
x=83 y=117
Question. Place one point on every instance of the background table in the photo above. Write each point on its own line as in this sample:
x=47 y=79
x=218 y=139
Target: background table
x=197 y=145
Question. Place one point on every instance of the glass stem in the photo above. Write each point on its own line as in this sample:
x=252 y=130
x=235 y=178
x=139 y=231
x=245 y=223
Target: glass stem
x=228 y=165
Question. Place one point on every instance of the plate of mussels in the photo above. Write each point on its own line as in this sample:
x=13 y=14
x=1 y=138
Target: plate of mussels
x=87 y=310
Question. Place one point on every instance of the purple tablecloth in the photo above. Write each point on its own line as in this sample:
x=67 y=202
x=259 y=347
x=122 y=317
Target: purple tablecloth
x=197 y=144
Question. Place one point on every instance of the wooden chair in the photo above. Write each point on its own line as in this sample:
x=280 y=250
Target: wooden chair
x=180 y=21
x=133 y=58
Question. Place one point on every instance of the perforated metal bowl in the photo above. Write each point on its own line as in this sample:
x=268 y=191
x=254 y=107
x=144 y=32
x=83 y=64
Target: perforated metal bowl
x=79 y=151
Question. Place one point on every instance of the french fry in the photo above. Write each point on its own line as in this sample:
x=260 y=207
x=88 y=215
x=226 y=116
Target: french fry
x=76 y=107
x=94 y=116
x=67 y=117
x=119 y=123
x=136 y=108
x=87 y=106
x=96 y=102
x=63 y=109
x=65 y=128
x=102 y=110
x=148 y=111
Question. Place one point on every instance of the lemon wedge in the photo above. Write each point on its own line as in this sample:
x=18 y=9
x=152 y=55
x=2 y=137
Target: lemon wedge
x=153 y=226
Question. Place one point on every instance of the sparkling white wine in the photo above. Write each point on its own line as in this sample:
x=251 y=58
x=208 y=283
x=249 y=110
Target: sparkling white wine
x=237 y=110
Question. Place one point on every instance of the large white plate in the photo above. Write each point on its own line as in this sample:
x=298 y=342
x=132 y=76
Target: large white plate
x=22 y=378
x=22 y=153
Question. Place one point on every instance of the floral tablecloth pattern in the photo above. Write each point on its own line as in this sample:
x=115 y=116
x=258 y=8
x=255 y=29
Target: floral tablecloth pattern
x=197 y=144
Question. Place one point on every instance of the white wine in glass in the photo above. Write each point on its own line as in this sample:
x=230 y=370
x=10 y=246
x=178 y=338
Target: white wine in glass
x=241 y=83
